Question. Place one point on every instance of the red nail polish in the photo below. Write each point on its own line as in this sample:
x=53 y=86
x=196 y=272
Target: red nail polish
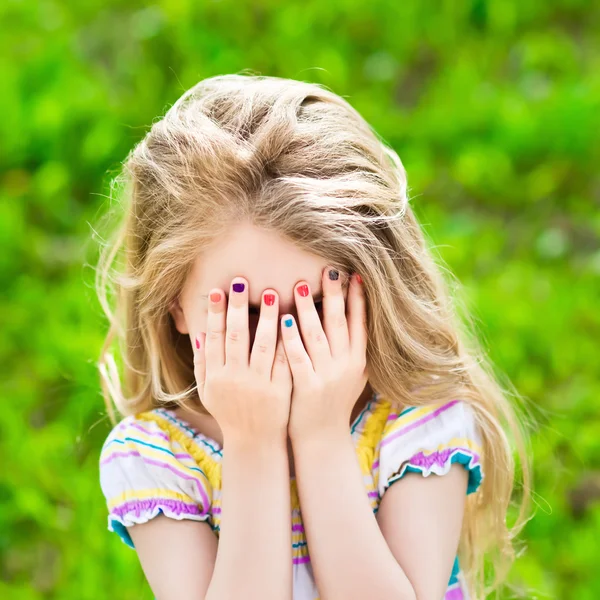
x=303 y=290
x=269 y=299
x=197 y=343
x=358 y=278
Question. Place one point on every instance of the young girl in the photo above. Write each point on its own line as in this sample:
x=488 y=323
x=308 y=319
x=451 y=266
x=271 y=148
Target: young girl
x=302 y=416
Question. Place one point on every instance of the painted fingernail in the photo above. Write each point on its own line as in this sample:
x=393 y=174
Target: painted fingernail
x=269 y=299
x=197 y=343
x=238 y=287
x=302 y=290
x=358 y=278
x=288 y=322
x=215 y=297
x=333 y=274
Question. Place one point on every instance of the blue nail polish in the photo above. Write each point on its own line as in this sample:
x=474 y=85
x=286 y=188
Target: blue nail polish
x=288 y=322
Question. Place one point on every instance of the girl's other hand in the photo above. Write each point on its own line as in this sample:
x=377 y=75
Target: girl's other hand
x=248 y=394
x=329 y=369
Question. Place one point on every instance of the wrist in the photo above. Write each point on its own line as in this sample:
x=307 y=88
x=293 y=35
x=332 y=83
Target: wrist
x=252 y=444
x=321 y=437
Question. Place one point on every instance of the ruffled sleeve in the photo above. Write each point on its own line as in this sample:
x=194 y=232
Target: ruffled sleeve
x=429 y=439
x=144 y=473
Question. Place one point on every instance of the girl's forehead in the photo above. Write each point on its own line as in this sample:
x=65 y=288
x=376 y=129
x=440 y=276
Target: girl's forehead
x=264 y=259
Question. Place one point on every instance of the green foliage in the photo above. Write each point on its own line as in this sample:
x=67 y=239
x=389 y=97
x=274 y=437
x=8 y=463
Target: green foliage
x=494 y=108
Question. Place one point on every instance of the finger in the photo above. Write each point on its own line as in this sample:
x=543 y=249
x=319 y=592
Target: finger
x=299 y=361
x=357 y=318
x=315 y=340
x=215 y=330
x=334 y=312
x=265 y=338
x=281 y=369
x=199 y=346
x=237 y=340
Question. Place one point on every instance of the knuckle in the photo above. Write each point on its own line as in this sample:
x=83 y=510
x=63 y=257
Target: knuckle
x=317 y=336
x=214 y=333
x=262 y=346
x=339 y=321
x=296 y=358
x=281 y=357
x=234 y=335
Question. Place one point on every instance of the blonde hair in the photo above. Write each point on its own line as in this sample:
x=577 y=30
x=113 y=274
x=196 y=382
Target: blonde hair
x=295 y=158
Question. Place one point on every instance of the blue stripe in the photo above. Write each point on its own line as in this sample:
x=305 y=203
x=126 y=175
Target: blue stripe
x=169 y=452
x=475 y=473
x=362 y=414
x=197 y=437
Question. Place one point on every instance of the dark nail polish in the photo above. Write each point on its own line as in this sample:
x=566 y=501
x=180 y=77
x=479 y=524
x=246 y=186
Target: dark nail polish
x=333 y=274
x=238 y=287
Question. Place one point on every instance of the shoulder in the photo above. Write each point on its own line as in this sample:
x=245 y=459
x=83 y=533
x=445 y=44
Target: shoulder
x=428 y=440
x=145 y=469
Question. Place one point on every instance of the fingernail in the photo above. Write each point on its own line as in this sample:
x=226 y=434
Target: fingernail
x=288 y=322
x=358 y=278
x=269 y=299
x=215 y=297
x=302 y=290
x=197 y=343
x=238 y=287
x=333 y=274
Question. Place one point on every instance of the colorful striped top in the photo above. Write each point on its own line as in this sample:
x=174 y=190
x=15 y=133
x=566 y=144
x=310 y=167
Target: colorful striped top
x=154 y=462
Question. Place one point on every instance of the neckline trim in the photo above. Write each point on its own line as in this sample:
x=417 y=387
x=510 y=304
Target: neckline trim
x=170 y=414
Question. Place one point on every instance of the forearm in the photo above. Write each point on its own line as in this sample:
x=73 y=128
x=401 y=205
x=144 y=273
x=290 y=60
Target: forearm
x=254 y=556
x=349 y=555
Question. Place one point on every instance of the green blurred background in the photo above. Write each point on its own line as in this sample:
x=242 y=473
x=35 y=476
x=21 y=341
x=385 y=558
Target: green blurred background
x=494 y=108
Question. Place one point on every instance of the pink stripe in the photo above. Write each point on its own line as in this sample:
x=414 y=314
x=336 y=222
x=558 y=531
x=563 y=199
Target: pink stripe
x=416 y=424
x=440 y=457
x=165 y=466
x=392 y=417
x=119 y=454
x=297 y=527
x=454 y=594
x=376 y=464
x=301 y=560
x=135 y=453
x=160 y=434
x=201 y=491
x=176 y=506
x=216 y=510
x=373 y=494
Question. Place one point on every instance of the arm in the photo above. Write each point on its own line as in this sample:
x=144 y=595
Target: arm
x=255 y=547
x=344 y=536
x=182 y=560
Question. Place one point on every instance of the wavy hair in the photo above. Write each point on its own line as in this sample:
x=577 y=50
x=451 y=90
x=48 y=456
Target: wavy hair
x=295 y=158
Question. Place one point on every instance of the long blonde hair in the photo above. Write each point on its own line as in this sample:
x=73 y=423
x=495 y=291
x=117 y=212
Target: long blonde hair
x=295 y=158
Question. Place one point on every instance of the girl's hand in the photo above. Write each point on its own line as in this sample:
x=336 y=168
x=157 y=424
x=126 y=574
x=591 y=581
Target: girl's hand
x=249 y=396
x=330 y=374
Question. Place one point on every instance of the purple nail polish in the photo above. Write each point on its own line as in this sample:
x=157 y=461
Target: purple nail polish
x=238 y=287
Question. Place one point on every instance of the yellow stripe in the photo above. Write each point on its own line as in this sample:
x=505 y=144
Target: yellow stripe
x=457 y=443
x=147 y=494
x=412 y=416
x=211 y=467
x=371 y=434
x=159 y=455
